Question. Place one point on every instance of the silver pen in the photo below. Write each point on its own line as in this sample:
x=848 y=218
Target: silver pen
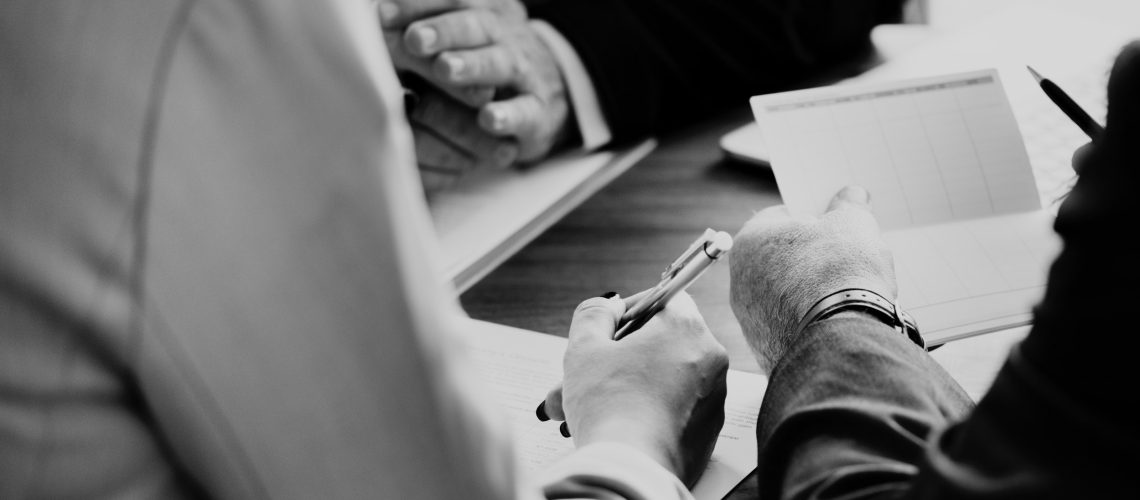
x=707 y=249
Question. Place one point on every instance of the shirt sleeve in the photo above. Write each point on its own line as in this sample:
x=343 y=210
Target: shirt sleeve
x=611 y=471
x=588 y=117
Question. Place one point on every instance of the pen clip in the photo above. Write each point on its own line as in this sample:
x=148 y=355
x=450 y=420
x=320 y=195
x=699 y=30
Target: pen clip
x=683 y=260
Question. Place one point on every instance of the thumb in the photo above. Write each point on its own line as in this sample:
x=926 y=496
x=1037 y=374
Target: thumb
x=851 y=197
x=595 y=320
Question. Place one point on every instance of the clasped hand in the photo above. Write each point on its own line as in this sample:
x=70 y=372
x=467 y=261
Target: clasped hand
x=496 y=93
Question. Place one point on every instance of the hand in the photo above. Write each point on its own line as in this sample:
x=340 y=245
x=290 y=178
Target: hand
x=661 y=389
x=780 y=265
x=396 y=15
x=449 y=142
x=467 y=51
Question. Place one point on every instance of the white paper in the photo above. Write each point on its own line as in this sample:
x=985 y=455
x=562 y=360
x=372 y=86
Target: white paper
x=521 y=366
x=950 y=184
x=491 y=214
x=929 y=150
x=1068 y=46
x=1065 y=44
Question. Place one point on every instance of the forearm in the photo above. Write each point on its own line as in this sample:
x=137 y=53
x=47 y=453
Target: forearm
x=849 y=409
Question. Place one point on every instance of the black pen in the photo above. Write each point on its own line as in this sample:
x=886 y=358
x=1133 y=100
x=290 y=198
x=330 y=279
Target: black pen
x=1069 y=106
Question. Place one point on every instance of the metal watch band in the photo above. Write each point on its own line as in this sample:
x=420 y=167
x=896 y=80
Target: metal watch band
x=864 y=300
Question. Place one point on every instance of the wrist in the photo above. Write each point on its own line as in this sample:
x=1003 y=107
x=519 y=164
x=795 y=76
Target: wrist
x=849 y=301
x=644 y=433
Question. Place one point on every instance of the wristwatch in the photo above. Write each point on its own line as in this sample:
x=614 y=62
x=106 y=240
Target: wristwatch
x=867 y=301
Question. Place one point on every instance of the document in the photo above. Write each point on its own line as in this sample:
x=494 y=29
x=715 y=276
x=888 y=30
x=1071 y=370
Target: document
x=950 y=181
x=1022 y=33
x=491 y=214
x=1026 y=33
x=522 y=365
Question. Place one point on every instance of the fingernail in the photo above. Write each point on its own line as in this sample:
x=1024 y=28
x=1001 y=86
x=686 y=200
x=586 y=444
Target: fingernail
x=609 y=295
x=540 y=412
x=455 y=66
x=426 y=38
x=388 y=12
x=498 y=120
x=857 y=193
x=564 y=429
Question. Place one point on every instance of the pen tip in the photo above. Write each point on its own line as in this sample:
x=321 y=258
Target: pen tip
x=1035 y=73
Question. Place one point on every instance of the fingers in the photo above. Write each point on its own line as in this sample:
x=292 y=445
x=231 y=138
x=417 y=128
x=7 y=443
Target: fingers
x=551 y=407
x=396 y=14
x=1081 y=157
x=441 y=164
x=515 y=116
x=851 y=197
x=1123 y=101
x=442 y=123
x=595 y=320
x=493 y=66
x=464 y=29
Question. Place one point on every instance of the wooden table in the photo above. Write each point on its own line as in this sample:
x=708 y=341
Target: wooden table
x=624 y=236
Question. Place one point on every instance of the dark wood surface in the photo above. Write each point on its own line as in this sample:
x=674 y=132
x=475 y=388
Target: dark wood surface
x=623 y=237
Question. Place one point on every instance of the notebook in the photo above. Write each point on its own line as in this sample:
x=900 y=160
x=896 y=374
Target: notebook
x=950 y=182
x=491 y=214
x=522 y=365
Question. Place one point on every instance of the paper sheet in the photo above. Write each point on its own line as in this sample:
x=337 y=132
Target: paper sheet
x=1023 y=33
x=491 y=214
x=950 y=184
x=1073 y=49
x=521 y=366
x=929 y=150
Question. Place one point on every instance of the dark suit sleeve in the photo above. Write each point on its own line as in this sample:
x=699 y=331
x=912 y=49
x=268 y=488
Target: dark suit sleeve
x=849 y=410
x=854 y=411
x=657 y=65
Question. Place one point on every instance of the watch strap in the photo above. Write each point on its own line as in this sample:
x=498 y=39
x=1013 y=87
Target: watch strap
x=863 y=300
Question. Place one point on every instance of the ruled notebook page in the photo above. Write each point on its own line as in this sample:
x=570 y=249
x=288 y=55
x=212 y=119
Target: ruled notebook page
x=950 y=183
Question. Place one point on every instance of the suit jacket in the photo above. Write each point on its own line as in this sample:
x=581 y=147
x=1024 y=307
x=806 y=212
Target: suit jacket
x=856 y=410
x=659 y=65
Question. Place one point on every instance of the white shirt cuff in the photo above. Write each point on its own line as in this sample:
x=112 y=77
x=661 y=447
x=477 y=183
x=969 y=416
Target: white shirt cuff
x=611 y=470
x=592 y=125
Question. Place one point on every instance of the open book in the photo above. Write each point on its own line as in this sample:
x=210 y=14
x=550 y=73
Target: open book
x=950 y=182
x=491 y=214
x=522 y=365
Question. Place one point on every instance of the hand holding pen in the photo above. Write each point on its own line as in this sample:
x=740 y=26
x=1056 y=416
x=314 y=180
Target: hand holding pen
x=632 y=315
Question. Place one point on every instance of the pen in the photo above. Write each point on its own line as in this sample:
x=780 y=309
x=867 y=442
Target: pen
x=693 y=262
x=1069 y=106
x=706 y=250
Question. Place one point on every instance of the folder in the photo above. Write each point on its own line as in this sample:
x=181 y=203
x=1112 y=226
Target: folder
x=489 y=215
